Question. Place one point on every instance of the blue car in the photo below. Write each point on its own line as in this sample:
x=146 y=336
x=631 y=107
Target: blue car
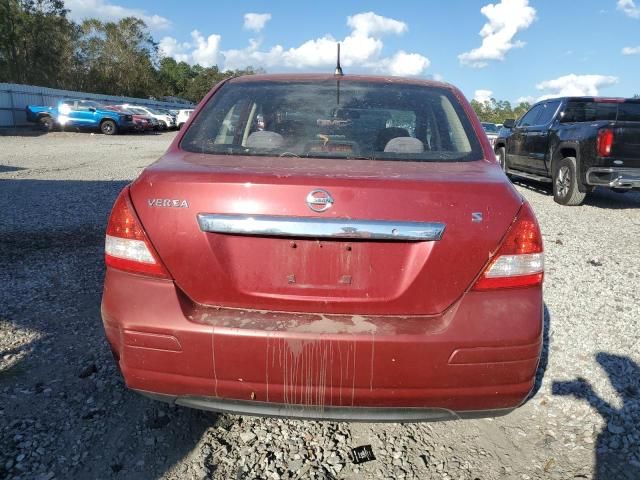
x=44 y=116
x=85 y=114
x=93 y=115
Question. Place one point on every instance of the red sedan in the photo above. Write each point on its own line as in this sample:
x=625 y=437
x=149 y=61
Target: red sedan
x=143 y=123
x=327 y=247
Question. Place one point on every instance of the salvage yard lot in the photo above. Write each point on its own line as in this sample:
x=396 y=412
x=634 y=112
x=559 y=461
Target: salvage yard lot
x=65 y=413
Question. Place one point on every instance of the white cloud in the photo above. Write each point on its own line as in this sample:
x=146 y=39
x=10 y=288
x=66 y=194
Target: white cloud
x=525 y=99
x=200 y=50
x=170 y=47
x=368 y=23
x=361 y=48
x=105 y=11
x=631 y=50
x=506 y=19
x=256 y=21
x=629 y=7
x=403 y=64
x=575 y=85
x=206 y=50
x=482 y=96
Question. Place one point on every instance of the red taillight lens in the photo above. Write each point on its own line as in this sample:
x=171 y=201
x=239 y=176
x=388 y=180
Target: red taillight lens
x=126 y=245
x=519 y=262
x=605 y=142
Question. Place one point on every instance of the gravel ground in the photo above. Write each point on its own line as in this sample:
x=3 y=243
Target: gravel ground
x=65 y=413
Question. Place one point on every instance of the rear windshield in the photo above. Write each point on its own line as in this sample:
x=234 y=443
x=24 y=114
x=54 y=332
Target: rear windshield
x=591 y=111
x=333 y=119
x=629 y=112
x=490 y=128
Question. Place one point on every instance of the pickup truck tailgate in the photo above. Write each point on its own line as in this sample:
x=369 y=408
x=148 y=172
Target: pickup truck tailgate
x=626 y=144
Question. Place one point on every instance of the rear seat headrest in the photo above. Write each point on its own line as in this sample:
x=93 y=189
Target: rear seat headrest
x=265 y=140
x=387 y=134
x=404 y=145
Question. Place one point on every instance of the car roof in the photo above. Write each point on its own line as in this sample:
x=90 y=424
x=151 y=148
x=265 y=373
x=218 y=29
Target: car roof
x=323 y=77
x=590 y=99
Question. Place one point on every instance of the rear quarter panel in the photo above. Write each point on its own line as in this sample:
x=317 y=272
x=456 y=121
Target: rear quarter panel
x=581 y=138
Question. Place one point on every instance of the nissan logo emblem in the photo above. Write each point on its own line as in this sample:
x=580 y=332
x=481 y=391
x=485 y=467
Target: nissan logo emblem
x=319 y=200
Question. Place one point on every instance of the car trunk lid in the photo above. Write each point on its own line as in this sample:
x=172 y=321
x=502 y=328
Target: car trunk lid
x=374 y=261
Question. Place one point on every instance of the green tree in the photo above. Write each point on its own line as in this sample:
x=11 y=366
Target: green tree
x=118 y=58
x=40 y=46
x=204 y=79
x=174 y=77
x=497 y=111
x=36 y=42
x=521 y=109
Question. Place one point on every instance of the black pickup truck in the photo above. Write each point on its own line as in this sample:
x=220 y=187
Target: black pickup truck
x=577 y=143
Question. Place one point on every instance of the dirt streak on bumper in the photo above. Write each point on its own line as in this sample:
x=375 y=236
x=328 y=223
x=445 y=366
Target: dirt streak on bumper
x=481 y=354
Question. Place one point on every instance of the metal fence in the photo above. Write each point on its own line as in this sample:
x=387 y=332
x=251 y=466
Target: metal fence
x=14 y=98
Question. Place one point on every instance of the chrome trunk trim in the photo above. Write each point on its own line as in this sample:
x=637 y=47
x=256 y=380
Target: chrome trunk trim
x=281 y=226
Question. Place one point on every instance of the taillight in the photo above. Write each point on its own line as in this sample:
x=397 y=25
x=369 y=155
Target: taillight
x=519 y=262
x=605 y=142
x=127 y=246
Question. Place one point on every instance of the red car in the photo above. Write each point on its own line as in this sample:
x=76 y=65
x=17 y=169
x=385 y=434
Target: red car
x=327 y=247
x=143 y=123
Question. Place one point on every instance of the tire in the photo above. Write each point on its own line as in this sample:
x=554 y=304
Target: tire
x=180 y=125
x=47 y=123
x=163 y=125
x=108 y=127
x=565 y=183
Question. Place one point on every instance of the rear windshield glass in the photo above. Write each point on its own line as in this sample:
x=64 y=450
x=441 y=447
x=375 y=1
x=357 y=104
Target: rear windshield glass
x=589 y=111
x=629 y=112
x=490 y=128
x=334 y=119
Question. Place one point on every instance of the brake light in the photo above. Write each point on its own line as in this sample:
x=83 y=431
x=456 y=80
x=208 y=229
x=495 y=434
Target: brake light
x=605 y=142
x=126 y=245
x=608 y=100
x=519 y=262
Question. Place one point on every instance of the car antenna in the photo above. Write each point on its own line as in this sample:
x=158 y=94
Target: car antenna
x=338 y=71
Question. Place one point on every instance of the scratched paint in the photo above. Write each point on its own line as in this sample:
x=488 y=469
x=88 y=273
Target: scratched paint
x=325 y=324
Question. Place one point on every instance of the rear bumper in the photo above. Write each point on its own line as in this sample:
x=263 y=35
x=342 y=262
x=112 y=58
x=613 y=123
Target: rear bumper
x=477 y=359
x=128 y=126
x=614 y=177
x=331 y=413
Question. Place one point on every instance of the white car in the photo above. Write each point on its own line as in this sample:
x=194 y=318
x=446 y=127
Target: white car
x=492 y=132
x=183 y=116
x=165 y=121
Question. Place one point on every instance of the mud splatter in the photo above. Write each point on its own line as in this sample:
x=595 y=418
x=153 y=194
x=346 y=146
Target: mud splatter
x=358 y=324
x=213 y=359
